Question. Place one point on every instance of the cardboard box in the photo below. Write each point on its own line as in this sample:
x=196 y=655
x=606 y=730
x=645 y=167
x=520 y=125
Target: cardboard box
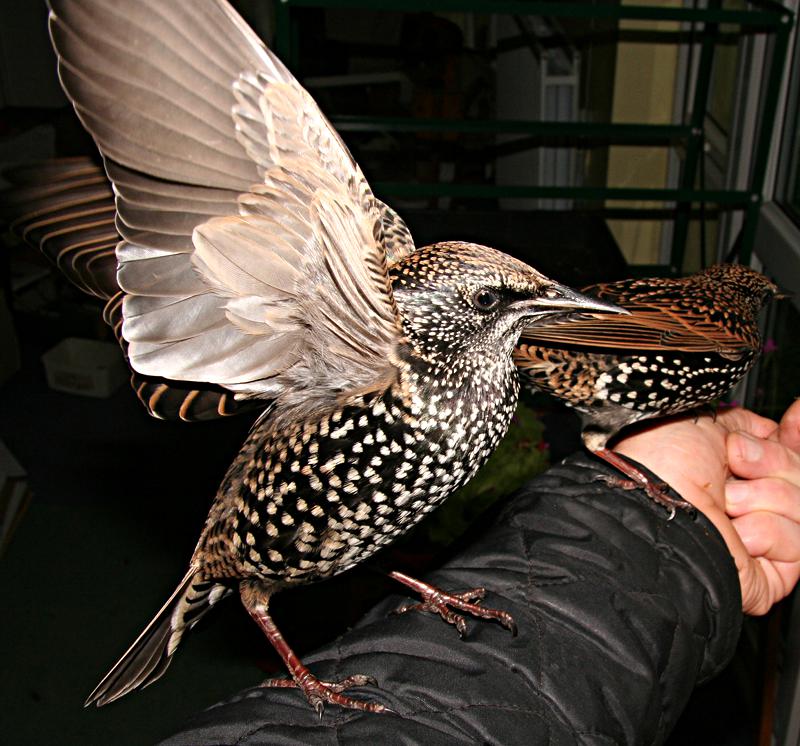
x=86 y=367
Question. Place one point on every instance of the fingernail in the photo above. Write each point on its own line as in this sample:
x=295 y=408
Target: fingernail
x=750 y=448
x=735 y=493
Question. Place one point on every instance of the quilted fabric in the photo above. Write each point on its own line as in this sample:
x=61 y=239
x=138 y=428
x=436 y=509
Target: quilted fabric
x=621 y=613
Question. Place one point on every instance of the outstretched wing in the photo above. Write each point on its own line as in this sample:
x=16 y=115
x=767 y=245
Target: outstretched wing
x=252 y=252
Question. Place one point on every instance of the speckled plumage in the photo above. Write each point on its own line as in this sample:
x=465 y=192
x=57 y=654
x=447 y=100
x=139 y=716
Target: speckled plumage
x=254 y=260
x=686 y=342
x=309 y=498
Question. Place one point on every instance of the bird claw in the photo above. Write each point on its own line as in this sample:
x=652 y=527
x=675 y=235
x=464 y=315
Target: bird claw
x=658 y=492
x=437 y=601
x=319 y=693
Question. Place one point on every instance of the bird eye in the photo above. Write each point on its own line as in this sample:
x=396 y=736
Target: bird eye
x=485 y=299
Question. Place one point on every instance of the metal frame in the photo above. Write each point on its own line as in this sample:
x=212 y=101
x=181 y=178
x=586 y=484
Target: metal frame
x=762 y=16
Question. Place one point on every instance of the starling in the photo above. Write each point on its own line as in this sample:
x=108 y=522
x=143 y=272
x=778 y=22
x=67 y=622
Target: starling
x=255 y=258
x=685 y=342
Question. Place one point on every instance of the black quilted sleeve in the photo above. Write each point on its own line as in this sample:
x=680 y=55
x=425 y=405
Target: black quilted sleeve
x=621 y=613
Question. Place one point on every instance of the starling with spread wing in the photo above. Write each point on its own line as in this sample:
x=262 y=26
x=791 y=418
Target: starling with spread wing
x=254 y=260
x=684 y=343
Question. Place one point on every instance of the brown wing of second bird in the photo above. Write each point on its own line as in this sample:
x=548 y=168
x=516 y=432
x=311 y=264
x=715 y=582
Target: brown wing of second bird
x=700 y=313
x=65 y=207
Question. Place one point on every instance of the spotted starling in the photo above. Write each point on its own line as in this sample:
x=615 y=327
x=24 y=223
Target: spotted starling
x=254 y=257
x=684 y=343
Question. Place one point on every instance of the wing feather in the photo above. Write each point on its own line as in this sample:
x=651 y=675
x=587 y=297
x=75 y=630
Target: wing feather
x=65 y=207
x=254 y=255
x=396 y=238
x=663 y=315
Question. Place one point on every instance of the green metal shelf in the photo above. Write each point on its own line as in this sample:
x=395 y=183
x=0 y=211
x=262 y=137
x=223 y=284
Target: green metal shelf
x=762 y=16
x=769 y=17
x=559 y=130
x=408 y=189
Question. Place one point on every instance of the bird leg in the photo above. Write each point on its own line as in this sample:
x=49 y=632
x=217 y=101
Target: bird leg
x=637 y=479
x=437 y=601
x=317 y=692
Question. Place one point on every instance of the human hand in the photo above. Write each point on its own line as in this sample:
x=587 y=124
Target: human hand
x=764 y=504
x=743 y=472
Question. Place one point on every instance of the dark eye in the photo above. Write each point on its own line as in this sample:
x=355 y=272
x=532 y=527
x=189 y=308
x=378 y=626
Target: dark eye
x=485 y=299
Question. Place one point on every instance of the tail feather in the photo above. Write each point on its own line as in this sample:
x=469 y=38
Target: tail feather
x=148 y=658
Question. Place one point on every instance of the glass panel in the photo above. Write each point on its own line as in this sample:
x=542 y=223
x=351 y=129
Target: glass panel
x=788 y=191
x=790 y=196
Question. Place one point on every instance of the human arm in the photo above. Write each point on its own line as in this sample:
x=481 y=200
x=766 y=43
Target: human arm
x=621 y=613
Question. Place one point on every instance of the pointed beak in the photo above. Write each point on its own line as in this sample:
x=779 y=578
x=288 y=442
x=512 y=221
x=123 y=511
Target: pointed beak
x=559 y=300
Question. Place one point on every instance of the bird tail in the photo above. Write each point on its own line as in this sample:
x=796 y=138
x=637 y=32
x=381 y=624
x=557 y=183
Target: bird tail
x=148 y=658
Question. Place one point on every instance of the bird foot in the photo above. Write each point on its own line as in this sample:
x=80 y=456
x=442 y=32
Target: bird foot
x=319 y=693
x=657 y=491
x=437 y=601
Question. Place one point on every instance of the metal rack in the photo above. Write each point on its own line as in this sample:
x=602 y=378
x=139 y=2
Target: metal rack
x=759 y=17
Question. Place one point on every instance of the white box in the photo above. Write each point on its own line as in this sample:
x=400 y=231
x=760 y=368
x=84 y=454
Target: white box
x=85 y=366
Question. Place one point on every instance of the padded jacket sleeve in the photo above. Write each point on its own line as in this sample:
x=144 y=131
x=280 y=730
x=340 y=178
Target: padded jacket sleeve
x=621 y=613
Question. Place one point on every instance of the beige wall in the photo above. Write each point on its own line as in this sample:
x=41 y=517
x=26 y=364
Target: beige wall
x=644 y=91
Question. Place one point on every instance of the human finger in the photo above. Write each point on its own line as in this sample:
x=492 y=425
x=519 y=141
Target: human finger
x=773 y=568
x=752 y=457
x=769 y=535
x=739 y=419
x=769 y=494
x=765 y=582
x=789 y=430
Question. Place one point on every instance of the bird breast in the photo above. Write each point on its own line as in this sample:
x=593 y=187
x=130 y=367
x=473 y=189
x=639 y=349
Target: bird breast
x=318 y=497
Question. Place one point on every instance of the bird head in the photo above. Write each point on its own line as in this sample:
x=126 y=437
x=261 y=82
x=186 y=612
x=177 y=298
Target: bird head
x=457 y=298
